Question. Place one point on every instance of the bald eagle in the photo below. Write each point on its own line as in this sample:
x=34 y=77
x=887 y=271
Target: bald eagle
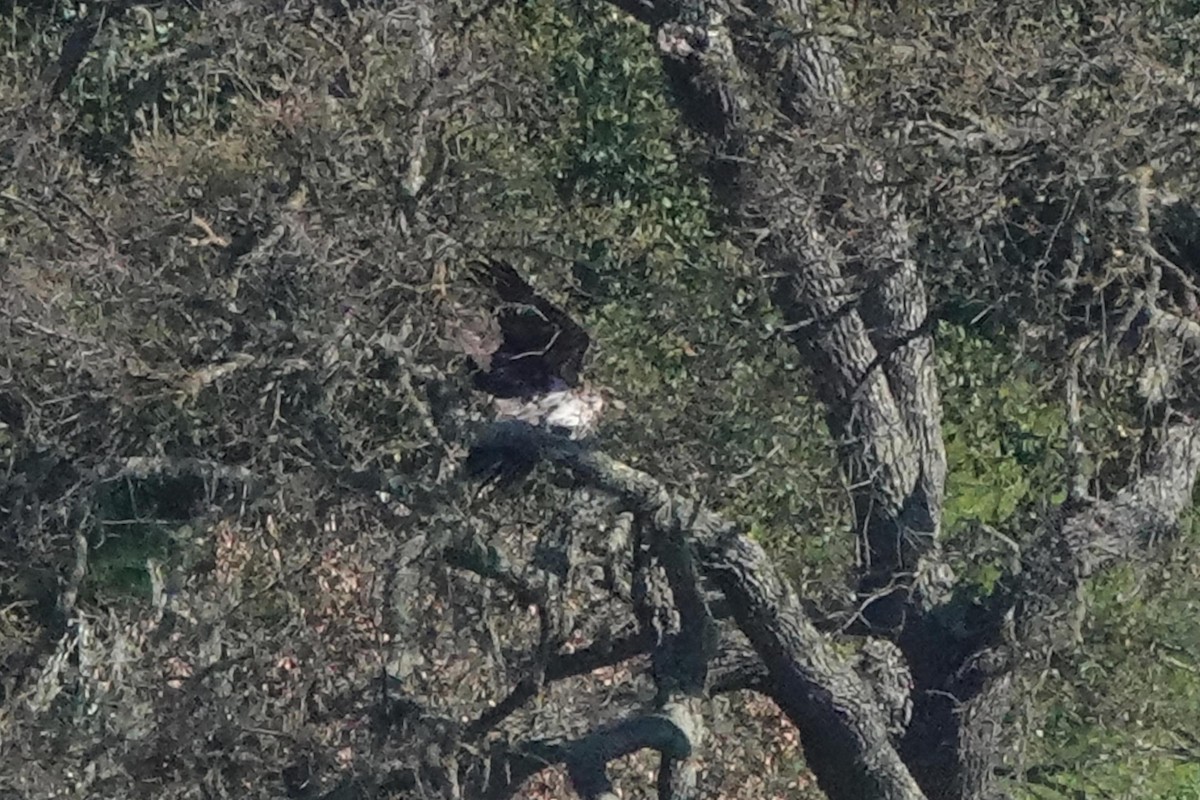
x=528 y=355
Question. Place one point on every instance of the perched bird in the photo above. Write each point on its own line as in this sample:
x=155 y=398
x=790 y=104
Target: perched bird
x=528 y=355
x=573 y=412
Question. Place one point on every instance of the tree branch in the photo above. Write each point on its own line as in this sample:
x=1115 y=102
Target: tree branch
x=841 y=727
x=508 y=767
x=766 y=70
x=646 y=11
x=1096 y=537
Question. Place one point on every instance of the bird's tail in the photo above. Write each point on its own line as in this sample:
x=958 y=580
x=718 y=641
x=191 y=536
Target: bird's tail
x=502 y=456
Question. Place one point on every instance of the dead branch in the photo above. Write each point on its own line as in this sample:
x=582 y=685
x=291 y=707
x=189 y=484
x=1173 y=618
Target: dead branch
x=143 y=467
x=210 y=236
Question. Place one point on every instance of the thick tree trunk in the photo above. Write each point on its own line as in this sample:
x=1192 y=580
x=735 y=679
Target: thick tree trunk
x=859 y=313
x=1095 y=537
x=859 y=310
x=842 y=727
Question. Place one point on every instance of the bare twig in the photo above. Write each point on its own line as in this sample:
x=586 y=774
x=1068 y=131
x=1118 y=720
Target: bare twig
x=414 y=179
x=70 y=593
x=1077 y=478
x=143 y=467
x=210 y=236
x=20 y=203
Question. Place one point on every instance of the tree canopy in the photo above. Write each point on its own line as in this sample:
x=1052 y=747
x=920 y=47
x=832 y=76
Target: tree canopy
x=899 y=302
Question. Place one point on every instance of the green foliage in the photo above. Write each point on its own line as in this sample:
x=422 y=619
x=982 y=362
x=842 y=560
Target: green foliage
x=613 y=142
x=1003 y=427
x=1120 y=710
x=685 y=333
x=597 y=139
x=134 y=77
x=135 y=521
x=117 y=567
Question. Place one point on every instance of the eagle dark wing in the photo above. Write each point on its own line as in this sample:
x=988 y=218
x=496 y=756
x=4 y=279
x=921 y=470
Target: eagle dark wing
x=542 y=348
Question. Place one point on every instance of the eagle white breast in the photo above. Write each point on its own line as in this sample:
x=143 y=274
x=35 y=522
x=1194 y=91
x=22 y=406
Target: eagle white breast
x=573 y=412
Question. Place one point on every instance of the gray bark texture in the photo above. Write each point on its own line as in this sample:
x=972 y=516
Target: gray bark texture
x=857 y=309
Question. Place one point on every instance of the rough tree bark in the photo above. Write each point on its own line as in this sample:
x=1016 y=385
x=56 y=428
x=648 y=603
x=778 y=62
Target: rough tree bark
x=859 y=312
x=841 y=724
x=760 y=84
